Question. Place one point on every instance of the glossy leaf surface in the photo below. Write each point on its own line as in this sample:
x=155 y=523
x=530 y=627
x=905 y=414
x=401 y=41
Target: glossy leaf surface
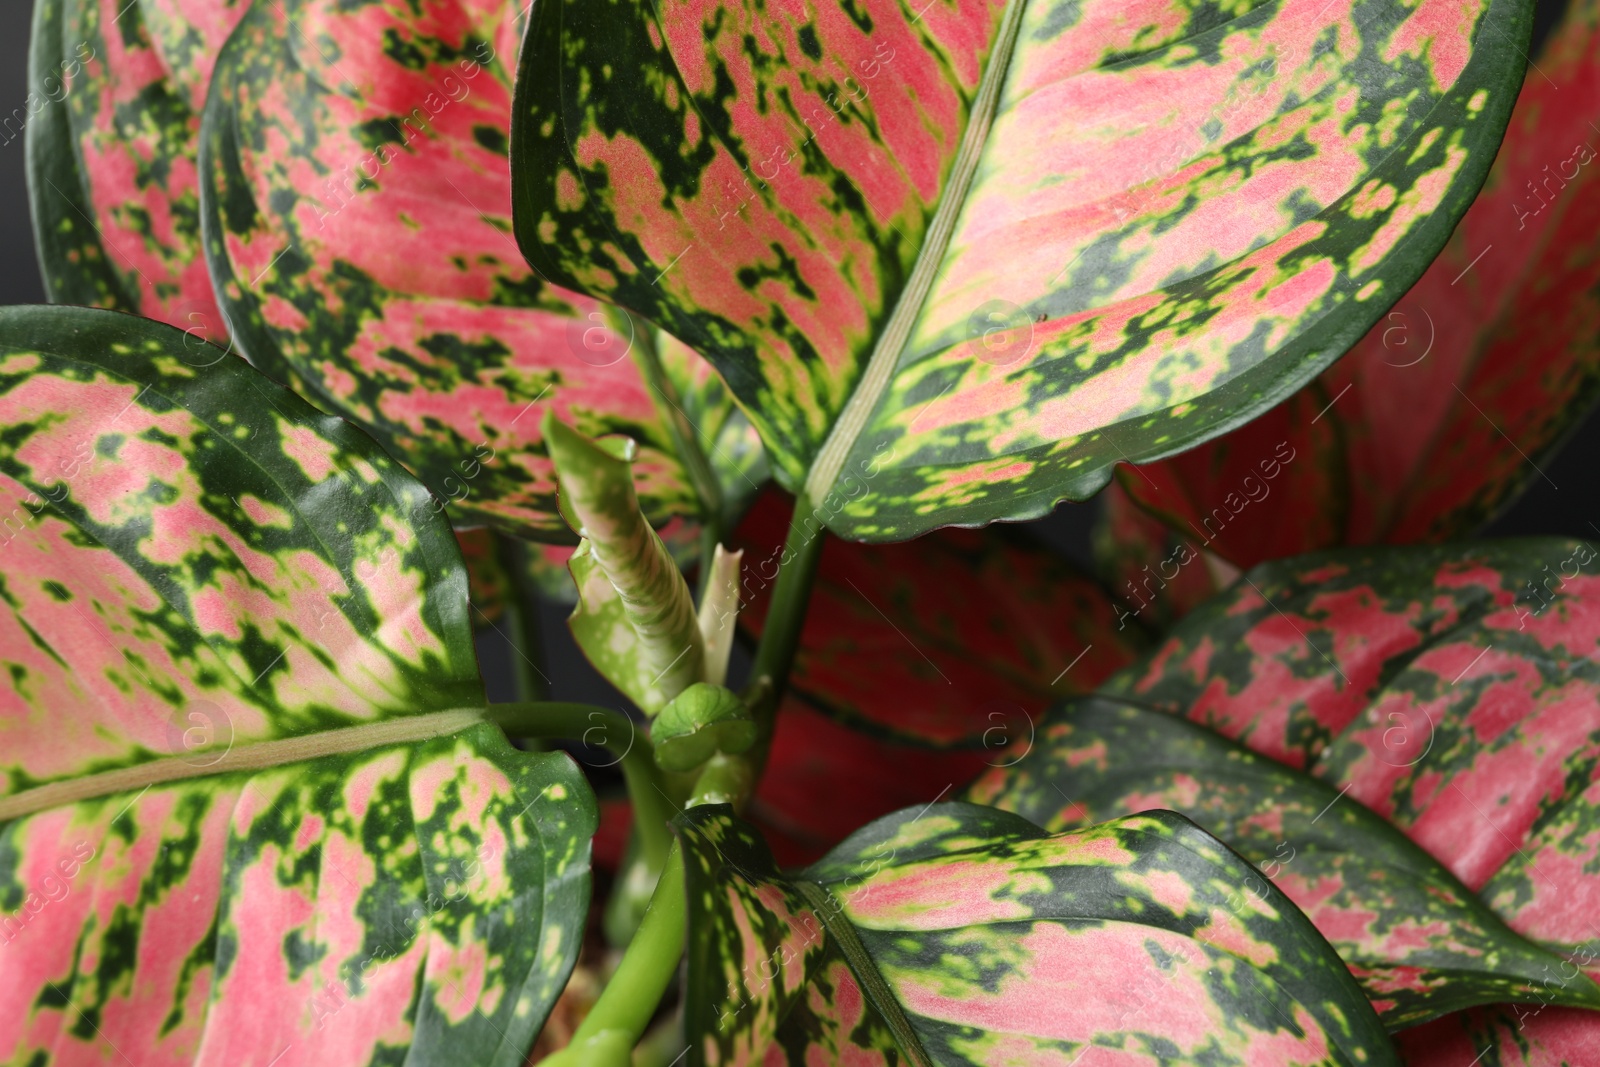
x=968 y=936
x=1425 y=430
x=184 y=535
x=112 y=141
x=216 y=590
x=1421 y=943
x=1450 y=690
x=357 y=200
x=427 y=897
x=956 y=260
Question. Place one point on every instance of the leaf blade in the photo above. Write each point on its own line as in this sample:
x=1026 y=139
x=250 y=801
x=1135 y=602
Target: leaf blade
x=629 y=185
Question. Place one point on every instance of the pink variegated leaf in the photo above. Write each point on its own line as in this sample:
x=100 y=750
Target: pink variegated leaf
x=112 y=133
x=959 y=935
x=356 y=197
x=1451 y=691
x=957 y=259
x=250 y=806
x=1426 y=429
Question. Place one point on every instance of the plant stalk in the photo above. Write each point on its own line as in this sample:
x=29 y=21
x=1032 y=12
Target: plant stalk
x=786 y=616
x=627 y=1004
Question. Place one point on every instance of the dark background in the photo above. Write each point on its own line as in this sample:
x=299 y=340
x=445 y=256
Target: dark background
x=1565 y=504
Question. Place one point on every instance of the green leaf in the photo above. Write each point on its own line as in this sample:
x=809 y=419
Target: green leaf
x=957 y=934
x=249 y=805
x=356 y=198
x=957 y=260
x=1421 y=943
x=635 y=620
x=1444 y=412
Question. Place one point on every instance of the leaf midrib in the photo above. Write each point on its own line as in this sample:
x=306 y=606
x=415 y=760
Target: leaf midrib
x=869 y=391
x=260 y=755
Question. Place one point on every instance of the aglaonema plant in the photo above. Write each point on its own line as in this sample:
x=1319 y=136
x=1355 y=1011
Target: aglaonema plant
x=583 y=275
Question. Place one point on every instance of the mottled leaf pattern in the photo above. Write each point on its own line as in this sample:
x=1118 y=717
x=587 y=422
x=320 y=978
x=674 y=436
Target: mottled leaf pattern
x=958 y=259
x=357 y=208
x=427 y=898
x=198 y=567
x=1420 y=942
x=1425 y=430
x=111 y=153
x=953 y=640
x=973 y=937
x=183 y=537
x=1451 y=690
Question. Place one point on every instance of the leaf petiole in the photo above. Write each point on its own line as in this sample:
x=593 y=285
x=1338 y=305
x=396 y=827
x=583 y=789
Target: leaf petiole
x=797 y=568
x=619 y=1018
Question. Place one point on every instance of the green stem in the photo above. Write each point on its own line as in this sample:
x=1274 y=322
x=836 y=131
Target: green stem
x=522 y=614
x=620 y=736
x=628 y=1003
x=786 y=615
x=724 y=779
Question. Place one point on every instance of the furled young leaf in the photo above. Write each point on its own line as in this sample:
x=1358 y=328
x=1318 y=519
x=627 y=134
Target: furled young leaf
x=357 y=210
x=111 y=153
x=959 y=639
x=636 y=619
x=1424 y=431
x=1420 y=942
x=958 y=259
x=249 y=808
x=966 y=935
x=1451 y=690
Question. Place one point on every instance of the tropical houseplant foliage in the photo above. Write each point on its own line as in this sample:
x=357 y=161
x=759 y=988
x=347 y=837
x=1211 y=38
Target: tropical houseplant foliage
x=734 y=328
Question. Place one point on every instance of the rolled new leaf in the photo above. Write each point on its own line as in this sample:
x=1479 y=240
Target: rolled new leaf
x=698 y=723
x=636 y=618
x=719 y=611
x=963 y=936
